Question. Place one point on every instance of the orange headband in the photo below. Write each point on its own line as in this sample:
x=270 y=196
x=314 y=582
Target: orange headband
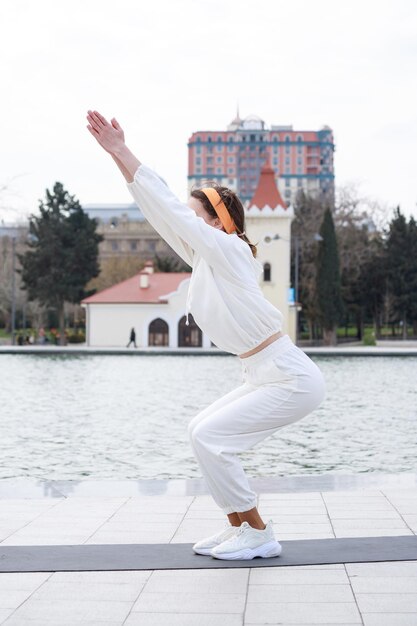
x=220 y=208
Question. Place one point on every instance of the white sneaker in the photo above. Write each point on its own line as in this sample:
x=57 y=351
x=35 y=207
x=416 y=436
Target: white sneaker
x=249 y=542
x=204 y=546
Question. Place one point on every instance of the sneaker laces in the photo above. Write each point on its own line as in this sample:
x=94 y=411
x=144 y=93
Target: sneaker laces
x=241 y=529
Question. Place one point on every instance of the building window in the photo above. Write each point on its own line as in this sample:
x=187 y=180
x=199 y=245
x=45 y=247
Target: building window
x=133 y=245
x=210 y=170
x=300 y=149
x=252 y=138
x=198 y=138
x=275 y=149
x=299 y=138
x=230 y=159
x=209 y=138
x=287 y=193
x=287 y=149
x=267 y=272
x=219 y=138
x=275 y=138
x=287 y=160
x=287 y=138
x=198 y=149
x=230 y=170
x=219 y=148
x=230 y=139
x=219 y=170
x=299 y=182
x=209 y=149
x=299 y=161
x=114 y=245
x=287 y=182
x=219 y=159
x=198 y=161
x=209 y=159
x=231 y=181
x=275 y=160
x=198 y=170
x=299 y=169
x=243 y=137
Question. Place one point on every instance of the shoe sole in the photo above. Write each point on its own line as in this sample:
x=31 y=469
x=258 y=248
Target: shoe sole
x=272 y=548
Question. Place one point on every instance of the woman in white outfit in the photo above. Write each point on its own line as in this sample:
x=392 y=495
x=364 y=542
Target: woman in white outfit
x=281 y=384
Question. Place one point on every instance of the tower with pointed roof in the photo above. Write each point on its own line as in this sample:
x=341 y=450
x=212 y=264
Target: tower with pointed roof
x=237 y=122
x=268 y=225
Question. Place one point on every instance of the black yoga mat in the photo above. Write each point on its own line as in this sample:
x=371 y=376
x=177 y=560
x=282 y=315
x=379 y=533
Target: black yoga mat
x=99 y=557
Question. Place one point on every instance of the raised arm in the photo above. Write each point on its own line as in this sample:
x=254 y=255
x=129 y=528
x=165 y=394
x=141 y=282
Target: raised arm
x=177 y=223
x=111 y=138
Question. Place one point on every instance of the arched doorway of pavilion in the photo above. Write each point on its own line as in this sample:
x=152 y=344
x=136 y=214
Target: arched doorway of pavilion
x=189 y=336
x=158 y=333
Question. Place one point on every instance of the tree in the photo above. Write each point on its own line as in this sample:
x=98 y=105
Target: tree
x=62 y=255
x=412 y=231
x=169 y=264
x=401 y=261
x=328 y=286
x=308 y=212
x=356 y=220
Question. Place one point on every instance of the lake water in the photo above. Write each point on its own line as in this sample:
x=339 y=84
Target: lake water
x=123 y=417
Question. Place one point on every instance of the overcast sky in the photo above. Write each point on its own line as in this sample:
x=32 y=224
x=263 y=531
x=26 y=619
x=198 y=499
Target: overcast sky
x=166 y=68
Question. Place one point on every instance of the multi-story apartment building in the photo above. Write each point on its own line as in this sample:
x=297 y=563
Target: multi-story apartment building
x=301 y=159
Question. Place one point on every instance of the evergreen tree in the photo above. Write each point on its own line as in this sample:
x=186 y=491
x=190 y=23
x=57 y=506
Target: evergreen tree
x=328 y=284
x=62 y=255
x=401 y=261
x=308 y=214
x=412 y=231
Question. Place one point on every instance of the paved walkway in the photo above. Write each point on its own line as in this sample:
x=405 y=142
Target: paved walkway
x=48 y=513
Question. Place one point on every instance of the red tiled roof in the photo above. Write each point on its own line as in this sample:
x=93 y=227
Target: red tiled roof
x=130 y=291
x=267 y=192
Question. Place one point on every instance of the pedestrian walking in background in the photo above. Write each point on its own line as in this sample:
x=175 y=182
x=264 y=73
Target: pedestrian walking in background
x=132 y=338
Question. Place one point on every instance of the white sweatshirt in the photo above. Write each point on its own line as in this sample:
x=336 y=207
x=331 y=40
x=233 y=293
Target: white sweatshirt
x=224 y=294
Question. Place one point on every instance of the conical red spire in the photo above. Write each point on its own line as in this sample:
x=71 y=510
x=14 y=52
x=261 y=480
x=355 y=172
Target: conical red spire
x=267 y=192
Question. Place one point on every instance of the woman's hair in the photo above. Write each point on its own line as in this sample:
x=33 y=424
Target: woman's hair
x=233 y=205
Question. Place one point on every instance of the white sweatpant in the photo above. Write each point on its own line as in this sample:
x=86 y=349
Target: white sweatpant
x=281 y=385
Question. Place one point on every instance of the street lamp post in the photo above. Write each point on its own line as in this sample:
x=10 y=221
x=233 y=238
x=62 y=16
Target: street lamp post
x=30 y=238
x=316 y=237
x=13 y=289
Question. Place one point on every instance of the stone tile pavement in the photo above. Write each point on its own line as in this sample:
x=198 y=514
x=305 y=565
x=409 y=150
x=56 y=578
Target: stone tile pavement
x=373 y=594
